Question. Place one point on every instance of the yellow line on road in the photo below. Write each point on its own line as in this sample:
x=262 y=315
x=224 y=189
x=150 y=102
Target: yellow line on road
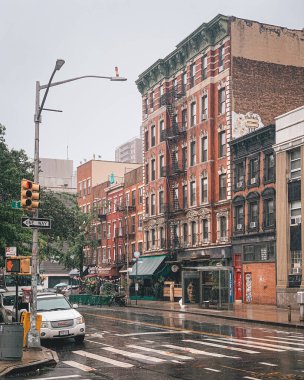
x=155 y=325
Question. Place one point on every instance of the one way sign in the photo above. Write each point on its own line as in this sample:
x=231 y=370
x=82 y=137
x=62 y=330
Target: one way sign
x=40 y=223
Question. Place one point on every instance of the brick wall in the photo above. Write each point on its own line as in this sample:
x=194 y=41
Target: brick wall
x=267 y=89
x=263 y=282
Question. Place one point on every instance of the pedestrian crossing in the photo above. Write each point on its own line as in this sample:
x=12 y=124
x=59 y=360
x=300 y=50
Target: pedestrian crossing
x=151 y=352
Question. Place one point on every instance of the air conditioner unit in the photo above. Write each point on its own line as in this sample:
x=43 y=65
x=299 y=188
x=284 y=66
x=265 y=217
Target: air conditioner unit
x=253 y=224
x=239 y=226
x=204 y=116
x=239 y=184
x=205 y=241
x=221 y=68
x=296 y=270
x=253 y=180
x=295 y=221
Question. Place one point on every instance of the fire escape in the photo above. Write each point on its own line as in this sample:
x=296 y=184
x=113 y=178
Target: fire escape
x=176 y=168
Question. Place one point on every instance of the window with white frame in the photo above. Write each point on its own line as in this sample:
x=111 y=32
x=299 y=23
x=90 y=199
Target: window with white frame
x=192 y=193
x=140 y=195
x=222 y=143
x=184 y=83
x=161 y=130
x=204 y=190
x=204 y=107
x=205 y=230
x=161 y=166
x=153 y=169
x=84 y=188
x=223 y=227
x=153 y=237
x=153 y=204
x=193 y=233
x=192 y=74
x=192 y=153
x=204 y=149
x=161 y=202
x=223 y=184
x=140 y=222
x=184 y=119
x=153 y=142
x=295 y=163
x=204 y=67
x=193 y=114
x=295 y=212
x=222 y=101
x=89 y=186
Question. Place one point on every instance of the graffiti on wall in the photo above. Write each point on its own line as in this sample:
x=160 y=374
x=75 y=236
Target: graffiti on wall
x=245 y=123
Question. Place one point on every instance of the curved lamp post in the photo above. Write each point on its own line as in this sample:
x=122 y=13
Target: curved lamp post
x=33 y=335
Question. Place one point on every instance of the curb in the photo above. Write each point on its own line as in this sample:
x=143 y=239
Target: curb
x=255 y=321
x=14 y=369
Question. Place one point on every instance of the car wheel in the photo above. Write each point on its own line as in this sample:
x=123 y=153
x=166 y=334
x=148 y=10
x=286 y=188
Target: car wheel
x=79 y=339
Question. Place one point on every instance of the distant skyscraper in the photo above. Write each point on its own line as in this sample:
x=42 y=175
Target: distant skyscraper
x=130 y=151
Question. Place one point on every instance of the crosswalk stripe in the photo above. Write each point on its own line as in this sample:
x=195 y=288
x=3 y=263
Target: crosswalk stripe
x=221 y=346
x=292 y=339
x=103 y=359
x=257 y=346
x=56 y=377
x=250 y=378
x=199 y=352
x=212 y=369
x=134 y=355
x=270 y=364
x=267 y=344
x=162 y=352
x=79 y=366
x=276 y=341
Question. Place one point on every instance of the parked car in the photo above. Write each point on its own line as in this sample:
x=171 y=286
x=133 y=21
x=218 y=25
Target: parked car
x=7 y=303
x=59 y=318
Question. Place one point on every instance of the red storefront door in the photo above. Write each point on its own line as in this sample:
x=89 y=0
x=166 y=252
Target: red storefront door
x=237 y=277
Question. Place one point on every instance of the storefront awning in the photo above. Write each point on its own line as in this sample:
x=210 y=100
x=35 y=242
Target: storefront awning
x=107 y=271
x=147 y=266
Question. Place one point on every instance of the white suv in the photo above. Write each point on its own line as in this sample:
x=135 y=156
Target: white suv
x=59 y=318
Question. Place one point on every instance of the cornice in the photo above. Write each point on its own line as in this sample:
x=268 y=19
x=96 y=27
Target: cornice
x=205 y=35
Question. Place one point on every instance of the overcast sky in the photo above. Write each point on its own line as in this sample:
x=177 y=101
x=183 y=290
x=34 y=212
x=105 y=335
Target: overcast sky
x=94 y=36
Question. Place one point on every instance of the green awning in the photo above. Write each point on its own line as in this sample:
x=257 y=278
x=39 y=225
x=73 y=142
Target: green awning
x=147 y=266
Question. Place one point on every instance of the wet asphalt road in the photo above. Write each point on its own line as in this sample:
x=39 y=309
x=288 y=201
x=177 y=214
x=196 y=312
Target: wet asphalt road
x=145 y=344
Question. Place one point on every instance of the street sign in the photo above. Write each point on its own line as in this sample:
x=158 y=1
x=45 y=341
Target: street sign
x=10 y=251
x=16 y=205
x=40 y=223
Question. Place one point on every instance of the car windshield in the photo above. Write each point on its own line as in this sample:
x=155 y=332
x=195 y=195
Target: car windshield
x=52 y=303
x=9 y=300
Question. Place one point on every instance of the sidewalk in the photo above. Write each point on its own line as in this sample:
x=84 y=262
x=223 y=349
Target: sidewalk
x=265 y=314
x=31 y=359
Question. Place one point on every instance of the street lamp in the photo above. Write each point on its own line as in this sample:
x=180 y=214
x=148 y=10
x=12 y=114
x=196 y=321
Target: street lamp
x=136 y=255
x=33 y=335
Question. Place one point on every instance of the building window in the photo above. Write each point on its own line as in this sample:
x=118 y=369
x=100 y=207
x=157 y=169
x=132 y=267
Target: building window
x=295 y=213
x=89 y=186
x=152 y=101
x=175 y=199
x=239 y=176
x=204 y=145
x=295 y=163
x=153 y=135
x=269 y=167
x=192 y=75
x=269 y=213
x=175 y=87
x=221 y=101
x=205 y=230
x=146 y=140
x=140 y=246
x=162 y=237
x=145 y=106
x=204 y=67
x=153 y=238
x=223 y=227
x=162 y=130
x=147 y=173
x=193 y=233
x=84 y=188
x=222 y=182
x=140 y=222
x=239 y=218
x=184 y=158
x=222 y=143
x=192 y=193
x=253 y=171
x=259 y=252
x=147 y=206
x=161 y=93
x=184 y=83
x=204 y=190
x=133 y=224
x=133 y=195
x=161 y=208
x=204 y=109
x=185 y=233
x=153 y=204
x=153 y=170
x=184 y=119
x=221 y=58
x=140 y=193
x=193 y=114
x=192 y=153
x=162 y=166
x=253 y=215
x=147 y=240
x=185 y=196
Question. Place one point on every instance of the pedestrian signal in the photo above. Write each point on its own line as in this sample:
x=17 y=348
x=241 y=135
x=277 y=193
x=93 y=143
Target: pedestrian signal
x=12 y=265
x=25 y=265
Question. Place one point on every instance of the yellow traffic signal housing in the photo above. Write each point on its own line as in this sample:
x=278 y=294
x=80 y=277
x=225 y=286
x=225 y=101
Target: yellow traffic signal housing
x=29 y=194
x=25 y=265
x=12 y=265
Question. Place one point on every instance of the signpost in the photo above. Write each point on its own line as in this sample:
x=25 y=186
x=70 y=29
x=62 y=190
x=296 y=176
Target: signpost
x=136 y=255
x=40 y=223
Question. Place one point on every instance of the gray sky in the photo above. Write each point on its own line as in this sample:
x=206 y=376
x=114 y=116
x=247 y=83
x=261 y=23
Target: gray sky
x=94 y=36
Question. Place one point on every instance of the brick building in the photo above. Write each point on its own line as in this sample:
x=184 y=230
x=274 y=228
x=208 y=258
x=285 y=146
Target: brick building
x=253 y=211
x=224 y=79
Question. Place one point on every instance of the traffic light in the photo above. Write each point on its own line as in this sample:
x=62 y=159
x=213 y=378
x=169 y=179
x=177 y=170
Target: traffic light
x=25 y=265
x=12 y=265
x=29 y=194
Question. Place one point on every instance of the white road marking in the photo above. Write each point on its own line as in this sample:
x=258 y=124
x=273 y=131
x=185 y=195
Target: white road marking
x=270 y=364
x=79 y=366
x=56 y=377
x=212 y=369
x=259 y=347
x=162 y=352
x=290 y=339
x=199 y=352
x=134 y=355
x=221 y=346
x=151 y=333
x=93 y=341
x=149 y=341
x=134 y=338
x=250 y=378
x=103 y=359
x=176 y=361
x=268 y=345
x=96 y=335
x=276 y=341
